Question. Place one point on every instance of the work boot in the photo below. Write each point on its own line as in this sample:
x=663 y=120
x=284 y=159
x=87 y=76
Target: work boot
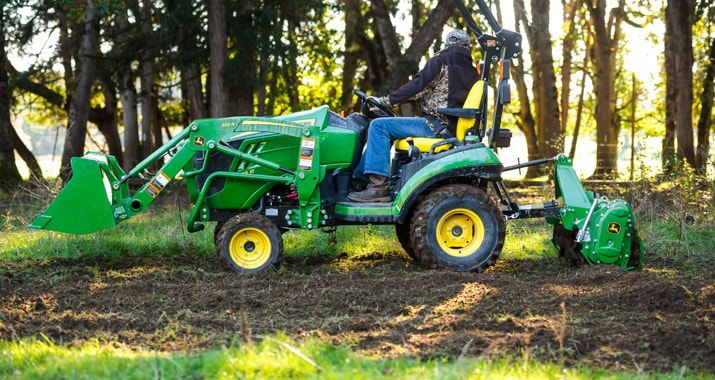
x=358 y=184
x=377 y=191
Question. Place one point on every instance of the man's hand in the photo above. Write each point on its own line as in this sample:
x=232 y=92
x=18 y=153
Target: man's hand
x=381 y=100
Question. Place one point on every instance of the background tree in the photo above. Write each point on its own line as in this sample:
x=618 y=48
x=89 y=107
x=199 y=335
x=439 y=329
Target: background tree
x=9 y=175
x=704 y=15
x=218 y=48
x=81 y=94
x=679 y=77
x=548 y=136
x=150 y=135
x=605 y=26
x=124 y=61
x=354 y=37
x=525 y=119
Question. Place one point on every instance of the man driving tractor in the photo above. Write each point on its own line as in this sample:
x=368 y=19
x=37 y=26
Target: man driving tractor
x=444 y=81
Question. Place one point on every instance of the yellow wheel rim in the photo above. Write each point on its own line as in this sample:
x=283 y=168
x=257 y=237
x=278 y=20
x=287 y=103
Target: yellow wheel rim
x=250 y=248
x=460 y=232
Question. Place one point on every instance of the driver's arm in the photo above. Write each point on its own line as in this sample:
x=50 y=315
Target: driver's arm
x=428 y=73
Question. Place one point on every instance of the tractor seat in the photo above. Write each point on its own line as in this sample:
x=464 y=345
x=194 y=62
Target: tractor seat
x=467 y=117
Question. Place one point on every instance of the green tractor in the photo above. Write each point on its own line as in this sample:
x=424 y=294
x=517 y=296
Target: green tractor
x=257 y=177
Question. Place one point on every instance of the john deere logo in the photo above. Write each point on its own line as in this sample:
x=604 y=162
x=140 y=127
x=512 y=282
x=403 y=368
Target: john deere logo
x=199 y=140
x=614 y=228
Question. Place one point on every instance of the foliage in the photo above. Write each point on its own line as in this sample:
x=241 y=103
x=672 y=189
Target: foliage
x=676 y=213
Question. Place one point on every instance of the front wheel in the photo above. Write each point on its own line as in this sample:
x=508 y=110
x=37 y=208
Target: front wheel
x=248 y=243
x=458 y=227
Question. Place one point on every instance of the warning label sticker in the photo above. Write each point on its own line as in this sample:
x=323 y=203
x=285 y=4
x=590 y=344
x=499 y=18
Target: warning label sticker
x=157 y=184
x=307 y=150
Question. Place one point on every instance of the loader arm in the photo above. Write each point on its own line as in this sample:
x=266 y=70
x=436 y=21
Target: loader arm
x=98 y=196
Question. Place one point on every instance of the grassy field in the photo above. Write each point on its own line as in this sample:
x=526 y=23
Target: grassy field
x=146 y=299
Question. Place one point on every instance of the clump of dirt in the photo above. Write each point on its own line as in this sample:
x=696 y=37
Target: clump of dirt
x=383 y=305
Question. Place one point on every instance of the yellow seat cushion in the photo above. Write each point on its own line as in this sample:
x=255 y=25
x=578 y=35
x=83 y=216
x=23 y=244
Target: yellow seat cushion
x=473 y=101
x=422 y=143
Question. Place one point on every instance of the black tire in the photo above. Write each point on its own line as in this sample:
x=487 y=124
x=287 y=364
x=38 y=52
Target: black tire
x=248 y=243
x=636 y=259
x=217 y=229
x=458 y=227
x=402 y=230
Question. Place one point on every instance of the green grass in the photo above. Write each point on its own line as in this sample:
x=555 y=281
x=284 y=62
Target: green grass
x=160 y=231
x=353 y=240
x=528 y=239
x=272 y=357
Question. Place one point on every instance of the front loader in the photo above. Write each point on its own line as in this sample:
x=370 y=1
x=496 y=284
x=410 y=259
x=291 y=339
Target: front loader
x=257 y=177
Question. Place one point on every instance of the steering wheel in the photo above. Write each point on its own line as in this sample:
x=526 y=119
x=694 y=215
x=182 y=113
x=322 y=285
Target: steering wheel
x=369 y=105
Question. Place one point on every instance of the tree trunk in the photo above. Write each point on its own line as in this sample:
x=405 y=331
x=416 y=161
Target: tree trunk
x=525 y=118
x=9 y=175
x=158 y=122
x=544 y=138
x=706 y=113
x=67 y=43
x=128 y=99
x=24 y=152
x=241 y=90
x=385 y=35
x=147 y=82
x=681 y=14
x=668 y=156
x=548 y=122
x=194 y=93
x=526 y=122
x=80 y=103
x=353 y=27
x=290 y=75
x=606 y=38
x=218 y=58
x=106 y=117
x=570 y=7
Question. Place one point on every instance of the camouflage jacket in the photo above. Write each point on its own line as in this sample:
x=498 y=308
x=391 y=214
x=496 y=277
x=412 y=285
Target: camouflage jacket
x=444 y=81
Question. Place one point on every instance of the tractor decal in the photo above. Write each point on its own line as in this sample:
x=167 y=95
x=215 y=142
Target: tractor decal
x=307 y=149
x=157 y=184
x=614 y=228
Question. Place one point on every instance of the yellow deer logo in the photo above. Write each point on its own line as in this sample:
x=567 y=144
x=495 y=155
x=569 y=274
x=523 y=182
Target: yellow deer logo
x=614 y=228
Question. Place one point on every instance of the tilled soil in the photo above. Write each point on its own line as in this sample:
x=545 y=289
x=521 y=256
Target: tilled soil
x=383 y=305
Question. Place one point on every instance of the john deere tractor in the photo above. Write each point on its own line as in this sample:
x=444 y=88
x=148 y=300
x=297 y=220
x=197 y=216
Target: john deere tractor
x=257 y=177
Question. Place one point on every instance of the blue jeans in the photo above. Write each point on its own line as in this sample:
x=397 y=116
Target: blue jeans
x=383 y=131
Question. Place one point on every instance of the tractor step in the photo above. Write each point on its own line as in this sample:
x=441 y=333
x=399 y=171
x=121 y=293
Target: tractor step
x=365 y=212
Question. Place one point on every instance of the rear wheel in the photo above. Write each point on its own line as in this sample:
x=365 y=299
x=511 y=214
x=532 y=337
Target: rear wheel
x=458 y=227
x=248 y=243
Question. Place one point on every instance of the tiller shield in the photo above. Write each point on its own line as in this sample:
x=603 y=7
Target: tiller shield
x=593 y=229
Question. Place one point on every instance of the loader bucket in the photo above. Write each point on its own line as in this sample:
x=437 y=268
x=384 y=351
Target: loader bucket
x=84 y=204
